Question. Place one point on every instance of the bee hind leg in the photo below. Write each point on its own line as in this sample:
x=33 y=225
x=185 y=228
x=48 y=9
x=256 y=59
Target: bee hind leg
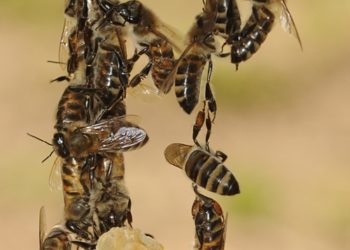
x=142 y=75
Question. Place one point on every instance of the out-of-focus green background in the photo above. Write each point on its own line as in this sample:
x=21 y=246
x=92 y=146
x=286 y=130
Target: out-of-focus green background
x=283 y=120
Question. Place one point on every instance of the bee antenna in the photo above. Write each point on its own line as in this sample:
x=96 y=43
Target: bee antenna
x=39 y=139
x=47 y=157
x=57 y=62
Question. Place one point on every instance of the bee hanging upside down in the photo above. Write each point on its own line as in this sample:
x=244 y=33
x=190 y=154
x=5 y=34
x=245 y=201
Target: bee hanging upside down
x=209 y=222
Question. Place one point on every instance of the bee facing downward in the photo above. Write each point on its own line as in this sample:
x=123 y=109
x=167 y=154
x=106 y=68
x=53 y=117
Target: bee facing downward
x=209 y=221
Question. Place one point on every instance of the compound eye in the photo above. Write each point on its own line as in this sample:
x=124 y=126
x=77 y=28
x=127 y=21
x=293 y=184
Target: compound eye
x=60 y=146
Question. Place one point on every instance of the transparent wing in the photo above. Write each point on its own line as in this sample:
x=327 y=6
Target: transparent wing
x=110 y=125
x=42 y=226
x=118 y=133
x=176 y=154
x=170 y=34
x=288 y=23
x=55 y=179
x=125 y=139
x=224 y=234
x=169 y=81
x=63 y=51
x=145 y=92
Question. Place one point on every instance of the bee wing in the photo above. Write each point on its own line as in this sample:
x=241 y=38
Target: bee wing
x=169 y=81
x=224 y=234
x=288 y=23
x=42 y=226
x=63 y=51
x=110 y=125
x=145 y=92
x=176 y=154
x=55 y=178
x=125 y=139
x=169 y=34
x=118 y=133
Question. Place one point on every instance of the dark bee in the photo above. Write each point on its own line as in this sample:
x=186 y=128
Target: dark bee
x=209 y=222
x=228 y=19
x=153 y=38
x=203 y=167
x=252 y=35
x=258 y=26
x=188 y=70
x=280 y=9
x=108 y=72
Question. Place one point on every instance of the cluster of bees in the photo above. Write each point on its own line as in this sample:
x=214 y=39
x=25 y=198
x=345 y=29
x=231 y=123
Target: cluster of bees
x=92 y=127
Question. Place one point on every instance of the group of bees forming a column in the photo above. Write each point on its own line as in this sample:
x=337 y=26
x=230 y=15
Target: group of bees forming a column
x=92 y=127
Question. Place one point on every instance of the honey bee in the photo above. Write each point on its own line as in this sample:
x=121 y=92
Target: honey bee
x=187 y=72
x=108 y=72
x=280 y=9
x=113 y=204
x=258 y=26
x=152 y=37
x=203 y=167
x=78 y=211
x=209 y=222
x=108 y=136
x=228 y=19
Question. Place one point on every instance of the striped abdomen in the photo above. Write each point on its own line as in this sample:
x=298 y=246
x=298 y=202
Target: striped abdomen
x=73 y=107
x=253 y=34
x=110 y=75
x=208 y=171
x=188 y=79
x=75 y=195
x=163 y=61
x=228 y=19
x=210 y=228
x=112 y=202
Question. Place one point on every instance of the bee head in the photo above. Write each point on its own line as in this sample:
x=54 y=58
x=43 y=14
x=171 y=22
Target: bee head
x=130 y=11
x=60 y=146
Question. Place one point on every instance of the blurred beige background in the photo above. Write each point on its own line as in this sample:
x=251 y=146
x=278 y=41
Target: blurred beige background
x=283 y=120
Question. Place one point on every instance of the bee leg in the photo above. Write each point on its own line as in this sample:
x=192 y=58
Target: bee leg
x=129 y=214
x=73 y=227
x=142 y=75
x=84 y=245
x=208 y=123
x=60 y=79
x=209 y=96
x=136 y=57
x=221 y=155
x=198 y=124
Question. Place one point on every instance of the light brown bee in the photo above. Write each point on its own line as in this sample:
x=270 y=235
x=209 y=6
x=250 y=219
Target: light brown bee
x=152 y=37
x=203 y=167
x=209 y=222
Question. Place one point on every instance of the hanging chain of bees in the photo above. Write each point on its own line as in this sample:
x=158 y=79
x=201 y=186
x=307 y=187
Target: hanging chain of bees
x=93 y=129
